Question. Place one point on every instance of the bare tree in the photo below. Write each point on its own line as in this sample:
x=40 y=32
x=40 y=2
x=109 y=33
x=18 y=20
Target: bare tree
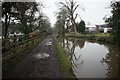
x=71 y=6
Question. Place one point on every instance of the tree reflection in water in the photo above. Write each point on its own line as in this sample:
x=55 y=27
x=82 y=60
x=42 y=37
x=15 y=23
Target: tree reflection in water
x=69 y=44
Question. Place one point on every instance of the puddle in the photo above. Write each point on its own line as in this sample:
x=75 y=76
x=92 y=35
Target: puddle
x=48 y=42
x=41 y=55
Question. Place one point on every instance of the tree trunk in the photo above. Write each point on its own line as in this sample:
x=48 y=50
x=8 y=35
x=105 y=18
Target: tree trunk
x=75 y=28
x=6 y=26
x=63 y=29
x=73 y=23
x=30 y=26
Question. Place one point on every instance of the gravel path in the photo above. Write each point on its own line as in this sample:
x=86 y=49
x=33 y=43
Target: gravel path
x=40 y=63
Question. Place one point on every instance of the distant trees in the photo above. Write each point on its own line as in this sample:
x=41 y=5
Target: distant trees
x=45 y=24
x=114 y=21
x=26 y=15
x=81 y=27
x=23 y=18
x=61 y=19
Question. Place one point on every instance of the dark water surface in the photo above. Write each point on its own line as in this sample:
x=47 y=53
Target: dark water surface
x=90 y=59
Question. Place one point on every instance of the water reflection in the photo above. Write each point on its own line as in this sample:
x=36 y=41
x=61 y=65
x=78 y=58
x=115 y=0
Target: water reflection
x=90 y=59
x=81 y=43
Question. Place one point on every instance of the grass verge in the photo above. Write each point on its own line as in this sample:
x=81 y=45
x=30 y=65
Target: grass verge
x=65 y=66
x=99 y=37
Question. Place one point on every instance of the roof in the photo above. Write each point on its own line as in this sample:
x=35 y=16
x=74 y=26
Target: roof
x=103 y=26
x=91 y=26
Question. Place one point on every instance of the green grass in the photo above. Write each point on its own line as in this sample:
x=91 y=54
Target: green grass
x=82 y=35
x=98 y=35
x=101 y=37
x=65 y=66
x=8 y=65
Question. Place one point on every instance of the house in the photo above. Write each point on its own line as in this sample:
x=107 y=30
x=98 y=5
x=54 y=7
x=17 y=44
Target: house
x=12 y=34
x=90 y=29
x=103 y=28
x=17 y=35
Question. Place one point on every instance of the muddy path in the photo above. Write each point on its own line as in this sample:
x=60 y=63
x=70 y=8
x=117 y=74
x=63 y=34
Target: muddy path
x=42 y=62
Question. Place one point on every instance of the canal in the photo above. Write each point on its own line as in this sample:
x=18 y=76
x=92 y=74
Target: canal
x=90 y=59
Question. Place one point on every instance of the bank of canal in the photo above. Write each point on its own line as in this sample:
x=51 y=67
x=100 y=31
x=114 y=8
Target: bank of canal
x=90 y=59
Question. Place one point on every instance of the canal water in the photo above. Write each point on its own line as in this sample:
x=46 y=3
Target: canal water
x=90 y=59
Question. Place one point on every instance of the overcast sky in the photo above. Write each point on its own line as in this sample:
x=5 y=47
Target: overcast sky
x=94 y=10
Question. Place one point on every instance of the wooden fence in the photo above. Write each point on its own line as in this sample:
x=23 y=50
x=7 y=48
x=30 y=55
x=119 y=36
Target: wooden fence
x=18 y=47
